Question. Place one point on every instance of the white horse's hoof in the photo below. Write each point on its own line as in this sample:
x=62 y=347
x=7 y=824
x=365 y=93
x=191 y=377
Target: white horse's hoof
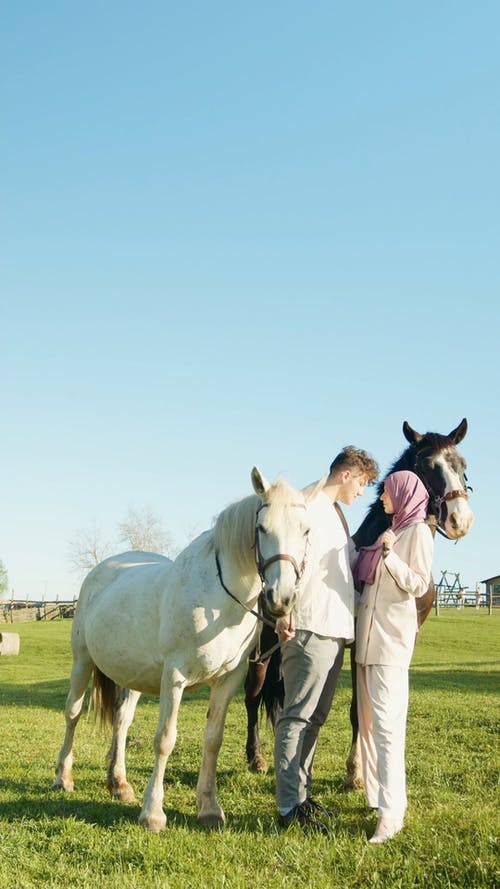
x=153 y=823
x=61 y=784
x=123 y=792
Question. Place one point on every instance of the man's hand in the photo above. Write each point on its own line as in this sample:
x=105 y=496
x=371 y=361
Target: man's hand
x=285 y=628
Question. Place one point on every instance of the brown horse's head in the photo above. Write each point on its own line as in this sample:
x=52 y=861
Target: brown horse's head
x=441 y=467
x=436 y=460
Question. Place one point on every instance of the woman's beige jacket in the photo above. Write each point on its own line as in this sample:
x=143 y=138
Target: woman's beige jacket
x=387 y=613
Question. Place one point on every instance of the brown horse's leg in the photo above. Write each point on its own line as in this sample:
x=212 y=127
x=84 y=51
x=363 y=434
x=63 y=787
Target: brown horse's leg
x=253 y=695
x=254 y=688
x=354 y=778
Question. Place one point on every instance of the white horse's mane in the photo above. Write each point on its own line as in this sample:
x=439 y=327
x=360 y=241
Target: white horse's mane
x=234 y=529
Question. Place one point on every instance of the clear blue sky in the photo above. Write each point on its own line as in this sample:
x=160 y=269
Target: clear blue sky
x=236 y=234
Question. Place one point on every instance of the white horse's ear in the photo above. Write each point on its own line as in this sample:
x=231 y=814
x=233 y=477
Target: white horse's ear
x=260 y=484
x=311 y=491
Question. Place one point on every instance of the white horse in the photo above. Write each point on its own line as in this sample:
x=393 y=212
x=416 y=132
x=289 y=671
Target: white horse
x=151 y=625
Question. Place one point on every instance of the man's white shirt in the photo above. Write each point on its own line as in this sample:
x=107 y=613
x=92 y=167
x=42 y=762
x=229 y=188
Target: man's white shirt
x=326 y=598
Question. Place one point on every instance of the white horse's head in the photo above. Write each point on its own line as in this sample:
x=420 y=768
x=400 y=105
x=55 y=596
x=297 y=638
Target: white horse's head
x=281 y=540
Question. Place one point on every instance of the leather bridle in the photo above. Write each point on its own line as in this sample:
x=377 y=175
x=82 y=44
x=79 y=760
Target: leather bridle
x=263 y=564
x=437 y=501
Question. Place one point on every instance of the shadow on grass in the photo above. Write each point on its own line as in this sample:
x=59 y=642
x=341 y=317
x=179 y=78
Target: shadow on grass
x=34 y=800
x=53 y=806
x=103 y=814
x=358 y=820
x=458 y=679
x=51 y=809
x=39 y=804
x=52 y=695
x=177 y=776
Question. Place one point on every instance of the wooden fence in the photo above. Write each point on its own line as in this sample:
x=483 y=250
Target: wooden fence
x=15 y=610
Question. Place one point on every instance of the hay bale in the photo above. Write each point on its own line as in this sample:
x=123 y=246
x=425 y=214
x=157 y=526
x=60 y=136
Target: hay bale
x=9 y=643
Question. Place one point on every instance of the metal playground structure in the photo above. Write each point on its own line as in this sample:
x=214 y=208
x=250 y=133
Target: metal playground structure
x=451 y=593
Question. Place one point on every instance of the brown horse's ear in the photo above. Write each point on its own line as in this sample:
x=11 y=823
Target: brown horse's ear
x=413 y=437
x=459 y=433
x=260 y=484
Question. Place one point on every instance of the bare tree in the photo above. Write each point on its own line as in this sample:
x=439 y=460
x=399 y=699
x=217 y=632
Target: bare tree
x=192 y=531
x=4 y=579
x=87 y=549
x=143 y=530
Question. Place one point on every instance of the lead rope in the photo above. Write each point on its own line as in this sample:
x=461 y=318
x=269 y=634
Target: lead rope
x=432 y=521
x=259 y=657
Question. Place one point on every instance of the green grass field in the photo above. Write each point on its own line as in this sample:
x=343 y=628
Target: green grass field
x=85 y=840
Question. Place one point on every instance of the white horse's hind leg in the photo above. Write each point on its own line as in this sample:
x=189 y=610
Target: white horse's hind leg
x=210 y=813
x=117 y=783
x=172 y=686
x=80 y=675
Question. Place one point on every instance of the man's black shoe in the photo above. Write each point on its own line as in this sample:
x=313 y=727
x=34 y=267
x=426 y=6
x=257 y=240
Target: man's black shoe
x=299 y=816
x=312 y=806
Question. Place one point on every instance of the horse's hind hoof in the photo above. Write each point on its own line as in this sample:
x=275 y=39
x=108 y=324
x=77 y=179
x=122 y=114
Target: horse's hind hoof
x=122 y=792
x=124 y=796
x=353 y=784
x=258 y=764
x=212 y=821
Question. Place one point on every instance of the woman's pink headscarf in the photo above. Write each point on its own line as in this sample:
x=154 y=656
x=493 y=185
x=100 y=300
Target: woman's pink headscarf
x=409 y=499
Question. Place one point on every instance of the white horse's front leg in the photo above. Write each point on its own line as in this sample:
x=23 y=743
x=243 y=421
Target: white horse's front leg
x=152 y=816
x=210 y=813
x=117 y=783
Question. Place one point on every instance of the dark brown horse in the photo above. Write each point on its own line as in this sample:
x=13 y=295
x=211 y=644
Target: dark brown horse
x=435 y=459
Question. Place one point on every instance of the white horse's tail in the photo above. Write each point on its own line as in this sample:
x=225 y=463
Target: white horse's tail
x=103 y=697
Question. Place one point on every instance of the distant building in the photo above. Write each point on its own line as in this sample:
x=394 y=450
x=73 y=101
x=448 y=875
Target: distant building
x=493 y=589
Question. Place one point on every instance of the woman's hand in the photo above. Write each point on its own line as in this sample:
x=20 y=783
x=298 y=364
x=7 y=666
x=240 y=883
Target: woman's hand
x=285 y=628
x=388 y=541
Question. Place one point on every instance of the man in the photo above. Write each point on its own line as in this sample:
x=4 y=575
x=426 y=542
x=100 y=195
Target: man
x=314 y=637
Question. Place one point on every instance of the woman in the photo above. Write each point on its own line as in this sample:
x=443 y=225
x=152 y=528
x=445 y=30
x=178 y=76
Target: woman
x=395 y=571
